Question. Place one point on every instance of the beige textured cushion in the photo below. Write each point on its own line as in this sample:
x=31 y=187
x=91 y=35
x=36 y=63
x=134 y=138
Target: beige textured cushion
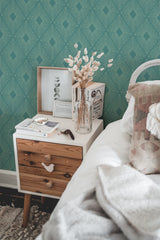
x=145 y=148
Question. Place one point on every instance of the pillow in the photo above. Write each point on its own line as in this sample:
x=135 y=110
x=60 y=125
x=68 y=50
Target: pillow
x=127 y=119
x=153 y=120
x=145 y=148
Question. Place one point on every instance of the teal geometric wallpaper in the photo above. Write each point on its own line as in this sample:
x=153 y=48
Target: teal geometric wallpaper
x=42 y=33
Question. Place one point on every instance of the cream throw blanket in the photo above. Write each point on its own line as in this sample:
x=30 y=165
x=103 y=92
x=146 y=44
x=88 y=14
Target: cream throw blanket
x=124 y=205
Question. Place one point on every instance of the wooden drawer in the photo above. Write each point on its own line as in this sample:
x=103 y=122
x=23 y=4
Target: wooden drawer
x=44 y=185
x=35 y=156
x=32 y=163
x=35 y=160
x=50 y=148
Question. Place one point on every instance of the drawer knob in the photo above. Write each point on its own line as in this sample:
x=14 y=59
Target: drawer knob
x=67 y=175
x=27 y=153
x=49 y=184
x=47 y=157
x=49 y=168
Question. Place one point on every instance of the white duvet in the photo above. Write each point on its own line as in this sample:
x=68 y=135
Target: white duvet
x=112 y=148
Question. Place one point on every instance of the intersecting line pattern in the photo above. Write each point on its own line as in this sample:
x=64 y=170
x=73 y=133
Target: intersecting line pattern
x=42 y=33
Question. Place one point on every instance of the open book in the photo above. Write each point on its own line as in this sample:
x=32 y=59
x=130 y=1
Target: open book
x=37 y=128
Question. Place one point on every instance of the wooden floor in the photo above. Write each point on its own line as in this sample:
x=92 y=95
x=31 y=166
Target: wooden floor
x=13 y=198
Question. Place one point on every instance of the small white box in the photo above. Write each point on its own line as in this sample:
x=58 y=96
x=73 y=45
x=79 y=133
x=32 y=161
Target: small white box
x=62 y=109
x=94 y=94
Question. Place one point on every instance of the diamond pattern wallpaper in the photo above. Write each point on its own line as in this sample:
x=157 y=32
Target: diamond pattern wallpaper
x=42 y=33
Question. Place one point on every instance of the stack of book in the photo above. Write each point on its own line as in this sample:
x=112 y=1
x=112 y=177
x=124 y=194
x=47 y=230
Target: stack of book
x=37 y=127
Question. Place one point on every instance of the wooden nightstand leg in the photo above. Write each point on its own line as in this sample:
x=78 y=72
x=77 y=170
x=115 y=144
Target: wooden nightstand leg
x=42 y=200
x=27 y=200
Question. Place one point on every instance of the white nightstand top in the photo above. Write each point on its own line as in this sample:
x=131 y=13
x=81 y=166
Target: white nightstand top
x=84 y=140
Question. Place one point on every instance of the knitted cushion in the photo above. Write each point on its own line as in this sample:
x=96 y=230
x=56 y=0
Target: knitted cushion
x=145 y=148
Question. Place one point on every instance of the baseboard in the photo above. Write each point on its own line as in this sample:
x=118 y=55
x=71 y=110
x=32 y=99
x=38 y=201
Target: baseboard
x=8 y=179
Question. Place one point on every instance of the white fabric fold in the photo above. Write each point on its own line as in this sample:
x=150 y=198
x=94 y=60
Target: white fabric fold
x=125 y=204
x=133 y=201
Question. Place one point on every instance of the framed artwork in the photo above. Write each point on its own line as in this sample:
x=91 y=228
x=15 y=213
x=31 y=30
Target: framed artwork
x=53 y=84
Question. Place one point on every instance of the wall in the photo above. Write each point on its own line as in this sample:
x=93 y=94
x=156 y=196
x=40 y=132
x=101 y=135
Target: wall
x=42 y=33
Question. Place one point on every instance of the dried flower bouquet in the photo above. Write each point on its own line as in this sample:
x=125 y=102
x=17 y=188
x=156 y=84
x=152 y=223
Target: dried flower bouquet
x=83 y=69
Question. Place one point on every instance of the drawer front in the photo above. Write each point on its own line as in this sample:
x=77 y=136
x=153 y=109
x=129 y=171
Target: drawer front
x=50 y=148
x=44 y=185
x=34 y=159
x=38 y=164
x=66 y=175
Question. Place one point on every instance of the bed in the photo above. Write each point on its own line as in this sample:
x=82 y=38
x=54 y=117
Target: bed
x=107 y=198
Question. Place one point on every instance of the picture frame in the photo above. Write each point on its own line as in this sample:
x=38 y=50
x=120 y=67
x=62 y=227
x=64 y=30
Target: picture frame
x=53 y=83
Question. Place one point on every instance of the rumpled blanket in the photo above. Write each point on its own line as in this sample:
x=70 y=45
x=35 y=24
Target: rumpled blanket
x=125 y=204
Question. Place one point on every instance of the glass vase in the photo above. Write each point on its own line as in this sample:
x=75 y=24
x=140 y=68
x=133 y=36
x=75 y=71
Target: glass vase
x=83 y=114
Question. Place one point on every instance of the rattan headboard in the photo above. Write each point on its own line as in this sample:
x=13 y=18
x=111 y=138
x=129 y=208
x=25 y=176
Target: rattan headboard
x=139 y=70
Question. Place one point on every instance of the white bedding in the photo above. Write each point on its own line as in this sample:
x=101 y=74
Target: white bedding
x=111 y=147
x=85 y=176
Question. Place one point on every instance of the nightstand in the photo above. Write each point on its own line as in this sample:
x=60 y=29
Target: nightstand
x=45 y=165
